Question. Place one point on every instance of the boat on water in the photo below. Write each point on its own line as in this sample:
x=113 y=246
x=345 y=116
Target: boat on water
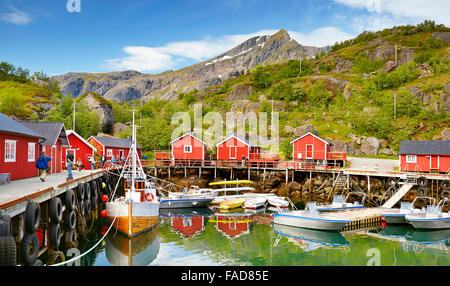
x=232 y=204
x=340 y=203
x=397 y=216
x=184 y=200
x=255 y=203
x=310 y=218
x=432 y=218
x=278 y=202
x=138 y=210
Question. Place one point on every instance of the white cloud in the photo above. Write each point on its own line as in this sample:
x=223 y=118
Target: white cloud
x=16 y=16
x=156 y=59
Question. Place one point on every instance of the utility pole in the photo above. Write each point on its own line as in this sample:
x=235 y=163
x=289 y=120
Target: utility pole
x=73 y=116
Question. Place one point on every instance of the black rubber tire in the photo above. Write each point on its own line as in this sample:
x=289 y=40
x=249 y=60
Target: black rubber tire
x=29 y=248
x=422 y=192
x=5 y=226
x=87 y=191
x=392 y=181
x=38 y=263
x=445 y=184
x=32 y=217
x=70 y=201
x=56 y=210
x=80 y=192
x=81 y=208
x=94 y=188
x=8 y=254
x=56 y=257
x=70 y=220
x=94 y=202
x=70 y=239
x=445 y=194
x=87 y=207
x=54 y=235
x=422 y=182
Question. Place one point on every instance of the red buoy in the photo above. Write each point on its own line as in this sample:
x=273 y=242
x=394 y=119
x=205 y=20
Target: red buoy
x=104 y=230
x=103 y=213
x=105 y=198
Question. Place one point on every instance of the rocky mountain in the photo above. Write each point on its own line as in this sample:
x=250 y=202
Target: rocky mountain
x=133 y=85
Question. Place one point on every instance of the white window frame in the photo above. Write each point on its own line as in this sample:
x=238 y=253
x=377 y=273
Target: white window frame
x=12 y=155
x=312 y=151
x=411 y=159
x=109 y=152
x=31 y=151
x=188 y=149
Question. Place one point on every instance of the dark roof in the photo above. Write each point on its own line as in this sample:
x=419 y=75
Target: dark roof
x=115 y=142
x=435 y=147
x=51 y=131
x=12 y=126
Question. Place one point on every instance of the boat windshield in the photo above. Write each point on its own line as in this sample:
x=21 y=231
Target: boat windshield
x=311 y=208
x=338 y=199
x=405 y=206
x=433 y=210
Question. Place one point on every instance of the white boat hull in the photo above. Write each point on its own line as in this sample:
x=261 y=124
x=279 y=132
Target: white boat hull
x=299 y=219
x=185 y=203
x=421 y=222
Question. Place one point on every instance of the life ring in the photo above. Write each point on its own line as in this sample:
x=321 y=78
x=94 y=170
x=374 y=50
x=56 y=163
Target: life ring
x=422 y=192
x=29 y=248
x=56 y=210
x=5 y=226
x=55 y=235
x=149 y=197
x=445 y=194
x=445 y=184
x=70 y=220
x=422 y=181
x=69 y=200
x=32 y=217
x=8 y=251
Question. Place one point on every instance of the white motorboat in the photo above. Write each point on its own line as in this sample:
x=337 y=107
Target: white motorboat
x=432 y=218
x=397 y=216
x=255 y=203
x=340 y=203
x=185 y=200
x=310 y=218
x=278 y=202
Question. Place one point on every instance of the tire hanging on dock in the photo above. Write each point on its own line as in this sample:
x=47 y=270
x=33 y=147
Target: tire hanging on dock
x=422 y=192
x=70 y=201
x=445 y=184
x=5 y=226
x=445 y=194
x=87 y=191
x=8 y=253
x=55 y=235
x=70 y=220
x=56 y=210
x=32 y=217
x=70 y=239
x=422 y=182
x=80 y=192
x=87 y=207
x=29 y=248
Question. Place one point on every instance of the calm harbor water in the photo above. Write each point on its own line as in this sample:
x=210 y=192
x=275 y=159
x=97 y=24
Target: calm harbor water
x=202 y=237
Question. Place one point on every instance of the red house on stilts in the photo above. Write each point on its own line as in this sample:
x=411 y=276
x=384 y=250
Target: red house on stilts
x=111 y=146
x=80 y=149
x=19 y=149
x=425 y=156
x=55 y=139
x=188 y=148
x=235 y=148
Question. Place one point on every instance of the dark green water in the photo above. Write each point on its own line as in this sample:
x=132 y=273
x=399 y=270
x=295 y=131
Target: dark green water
x=203 y=238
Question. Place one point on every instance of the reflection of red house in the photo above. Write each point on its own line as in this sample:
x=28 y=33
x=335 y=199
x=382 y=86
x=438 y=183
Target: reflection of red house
x=425 y=156
x=234 y=148
x=188 y=147
x=80 y=148
x=55 y=139
x=188 y=226
x=111 y=146
x=233 y=226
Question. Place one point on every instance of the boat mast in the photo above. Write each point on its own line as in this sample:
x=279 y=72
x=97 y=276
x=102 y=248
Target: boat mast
x=133 y=157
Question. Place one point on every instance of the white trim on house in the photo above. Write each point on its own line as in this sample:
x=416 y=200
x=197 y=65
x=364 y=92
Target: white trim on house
x=68 y=132
x=188 y=134
x=309 y=133
x=187 y=150
x=312 y=151
x=412 y=159
x=31 y=158
x=13 y=155
x=239 y=139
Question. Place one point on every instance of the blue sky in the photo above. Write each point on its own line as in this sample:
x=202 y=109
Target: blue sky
x=153 y=36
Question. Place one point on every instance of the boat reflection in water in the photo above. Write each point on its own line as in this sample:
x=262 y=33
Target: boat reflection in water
x=140 y=250
x=186 y=222
x=311 y=239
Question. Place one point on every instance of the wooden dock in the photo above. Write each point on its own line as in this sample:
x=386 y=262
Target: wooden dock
x=360 y=218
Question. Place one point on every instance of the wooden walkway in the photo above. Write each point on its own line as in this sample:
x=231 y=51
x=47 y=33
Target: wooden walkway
x=15 y=195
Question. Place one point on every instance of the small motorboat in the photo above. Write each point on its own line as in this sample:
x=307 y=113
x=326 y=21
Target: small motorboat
x=182 y=200
x=340 y=203
x=232 y=204
x=310 y=218
x=397 y=216
x=278 y=202
x=432 y=218
x=255 y=203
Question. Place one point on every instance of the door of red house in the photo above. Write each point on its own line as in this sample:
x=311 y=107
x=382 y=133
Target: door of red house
x=309 y=151
x=233 y=151
x=434 y=162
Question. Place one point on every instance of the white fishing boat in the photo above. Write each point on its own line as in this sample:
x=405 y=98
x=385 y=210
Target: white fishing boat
x=432 y=218
x=340 y=203
x=310 y=218
x=138 y=211
x=397 y=216
x=185 y=200
x=278 y=202
x=255 y=203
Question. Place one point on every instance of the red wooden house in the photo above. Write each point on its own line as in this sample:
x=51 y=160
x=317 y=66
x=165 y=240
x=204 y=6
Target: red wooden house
x=80 y=149
x=234 y=148
x=188 y=147
x=111 y=146
x=55 y=139
x=19 y=147
x=425 y=156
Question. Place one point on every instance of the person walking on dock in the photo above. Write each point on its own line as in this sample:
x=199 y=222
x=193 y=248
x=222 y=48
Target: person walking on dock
x=92 y=161
x=69 y=160
x=42 y=165
x=104 y=159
